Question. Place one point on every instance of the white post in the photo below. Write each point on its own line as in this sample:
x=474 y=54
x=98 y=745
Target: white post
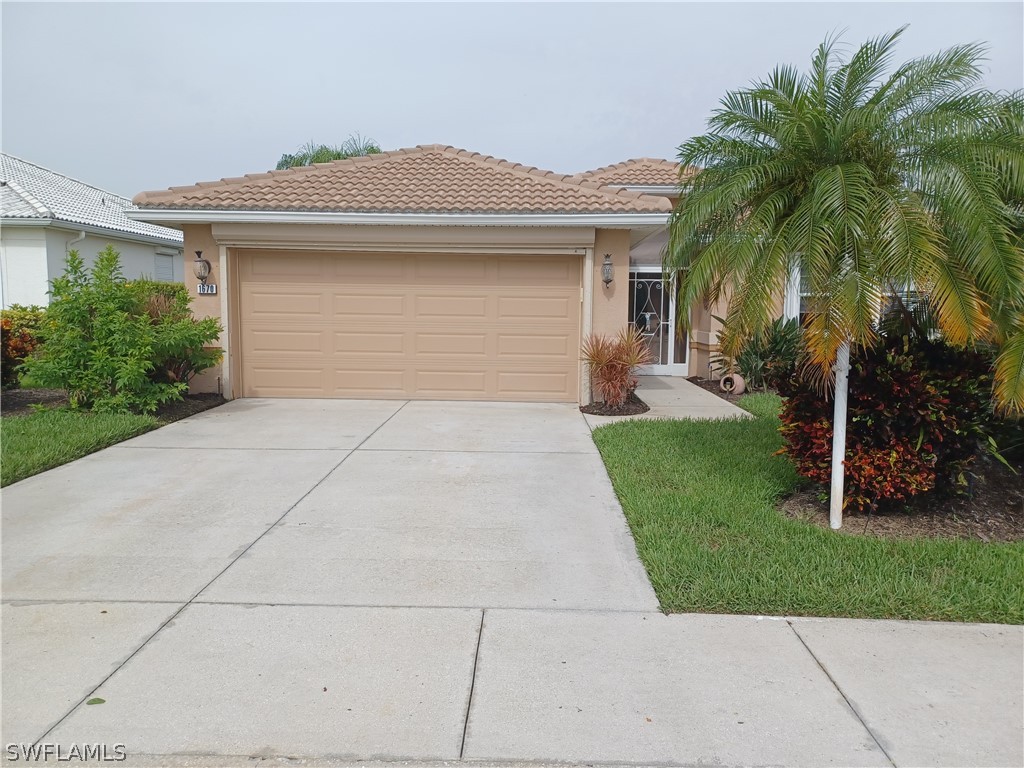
x=842 y=371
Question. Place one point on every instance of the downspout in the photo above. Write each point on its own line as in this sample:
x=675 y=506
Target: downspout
x=69 y=243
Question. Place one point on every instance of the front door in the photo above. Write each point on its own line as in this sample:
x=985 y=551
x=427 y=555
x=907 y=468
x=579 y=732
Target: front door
x=652 y=310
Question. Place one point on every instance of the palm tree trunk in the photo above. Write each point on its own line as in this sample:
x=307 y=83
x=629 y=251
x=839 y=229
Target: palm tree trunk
x=842 y=371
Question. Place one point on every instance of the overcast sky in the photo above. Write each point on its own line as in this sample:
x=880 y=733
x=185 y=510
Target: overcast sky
x=138 y=96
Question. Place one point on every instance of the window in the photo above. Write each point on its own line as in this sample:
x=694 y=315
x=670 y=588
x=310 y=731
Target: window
x=797 y=302
x=163 y=268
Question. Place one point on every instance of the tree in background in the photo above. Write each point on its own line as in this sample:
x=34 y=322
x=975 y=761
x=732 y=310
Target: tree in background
x=867 y=183
x=311 y=152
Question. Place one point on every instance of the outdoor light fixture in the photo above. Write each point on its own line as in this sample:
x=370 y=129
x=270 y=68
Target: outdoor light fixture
x=201 y=267
x=607 y=270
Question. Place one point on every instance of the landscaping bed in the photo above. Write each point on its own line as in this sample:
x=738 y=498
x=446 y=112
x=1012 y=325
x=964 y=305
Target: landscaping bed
x=702 y=498
x=993 y=510
x=714 y=388
x=633 y=406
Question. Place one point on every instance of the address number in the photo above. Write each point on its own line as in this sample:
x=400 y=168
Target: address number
x=207 y=289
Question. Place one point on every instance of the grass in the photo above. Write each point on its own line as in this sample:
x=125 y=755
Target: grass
x=46 y=439
x=700 y=498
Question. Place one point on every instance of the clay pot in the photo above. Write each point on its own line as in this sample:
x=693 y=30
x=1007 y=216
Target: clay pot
x=733 y=384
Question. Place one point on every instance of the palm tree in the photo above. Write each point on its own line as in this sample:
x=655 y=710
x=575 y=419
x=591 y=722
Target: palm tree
x=863 y=181
x=311 y=152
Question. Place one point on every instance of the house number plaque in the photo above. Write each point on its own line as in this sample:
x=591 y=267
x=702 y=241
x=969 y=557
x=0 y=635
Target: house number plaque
x=206 y=289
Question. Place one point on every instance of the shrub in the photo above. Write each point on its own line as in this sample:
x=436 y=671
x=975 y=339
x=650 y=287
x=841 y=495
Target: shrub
x=917 y=416
x=16 y=343
x=767 y=357
x=613 y=362
x=176 y=358
x=108 y=351
x=30 y=319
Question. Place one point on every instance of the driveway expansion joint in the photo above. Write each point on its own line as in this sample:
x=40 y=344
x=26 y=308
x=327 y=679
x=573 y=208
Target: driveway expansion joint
x=472 y=686
x=842 y=693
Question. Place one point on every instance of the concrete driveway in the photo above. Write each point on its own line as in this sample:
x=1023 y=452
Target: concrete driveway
x=341 y=580
x=320 y=502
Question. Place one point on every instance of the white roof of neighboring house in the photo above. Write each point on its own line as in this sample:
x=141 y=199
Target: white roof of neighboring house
x=31 y=192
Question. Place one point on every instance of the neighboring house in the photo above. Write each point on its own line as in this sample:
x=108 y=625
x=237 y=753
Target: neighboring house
x=44 y=214
x=431 y=273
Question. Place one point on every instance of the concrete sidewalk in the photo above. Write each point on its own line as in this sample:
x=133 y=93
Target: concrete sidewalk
x=434 y=684
x=339 y=581
x=672 y=397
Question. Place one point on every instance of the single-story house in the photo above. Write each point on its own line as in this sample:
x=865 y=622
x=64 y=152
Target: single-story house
x=430 y=272
x=44 y=215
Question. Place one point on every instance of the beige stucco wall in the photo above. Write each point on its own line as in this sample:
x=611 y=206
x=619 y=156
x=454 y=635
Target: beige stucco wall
x=199 y=237
x=611 y=303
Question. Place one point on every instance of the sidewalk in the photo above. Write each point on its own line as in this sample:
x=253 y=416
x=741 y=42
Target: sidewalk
x=432 y=684
x=673 y=397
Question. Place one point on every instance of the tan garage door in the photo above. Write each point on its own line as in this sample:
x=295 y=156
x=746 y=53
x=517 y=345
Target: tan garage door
x=424 y=326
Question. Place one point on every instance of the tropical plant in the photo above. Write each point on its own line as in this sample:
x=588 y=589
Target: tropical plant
x=613 y=361
x=311 y=152
x=766 y=356
x=865 y=182
x=919 y=414
x=15 y=345
x=106 y=350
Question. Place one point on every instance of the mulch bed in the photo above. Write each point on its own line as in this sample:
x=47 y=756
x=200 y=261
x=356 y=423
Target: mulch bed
x=633 y=406
x=19 y=402
x=715 y=389
x=994 y=510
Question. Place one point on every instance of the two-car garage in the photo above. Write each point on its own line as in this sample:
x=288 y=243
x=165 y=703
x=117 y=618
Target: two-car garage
x=401 y=325
x=423 y=273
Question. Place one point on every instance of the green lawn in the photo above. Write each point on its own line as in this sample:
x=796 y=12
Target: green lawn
x=700 y=498
x=46 y=439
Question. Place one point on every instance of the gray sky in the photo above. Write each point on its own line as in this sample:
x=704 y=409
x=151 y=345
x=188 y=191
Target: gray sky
x=137 y=96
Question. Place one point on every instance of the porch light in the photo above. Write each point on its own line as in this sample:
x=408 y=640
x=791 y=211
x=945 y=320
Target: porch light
x=607 y=270
x=201 y=267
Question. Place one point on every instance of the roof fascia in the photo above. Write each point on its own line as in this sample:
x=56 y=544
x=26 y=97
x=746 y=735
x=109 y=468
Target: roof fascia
x=607 y=220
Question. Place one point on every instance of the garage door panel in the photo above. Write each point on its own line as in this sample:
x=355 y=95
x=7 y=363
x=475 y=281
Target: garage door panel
x=449 y=270
x=534 y=308
x=519 y=383
x=452 y=306
x=458 y=344
x=358 y=305
x=533 y=272
x=369 y=382
x=284 y=268
x=276 y=380
x=451 y=382
x=282 y=304
x=382 y=268
x=534 y=345
x=369 y=342
x=402 y=325
x=285 y=342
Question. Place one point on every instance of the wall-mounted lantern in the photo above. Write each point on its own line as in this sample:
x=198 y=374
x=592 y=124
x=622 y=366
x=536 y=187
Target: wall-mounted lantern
x=607 y=270
x=201 y=267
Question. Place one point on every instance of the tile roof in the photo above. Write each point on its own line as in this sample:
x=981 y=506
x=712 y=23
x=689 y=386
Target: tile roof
x=639 y=172
x=425 y=179
x=29 y=191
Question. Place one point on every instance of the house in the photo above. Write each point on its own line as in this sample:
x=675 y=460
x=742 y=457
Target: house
x=430 y=272
x=44 y=214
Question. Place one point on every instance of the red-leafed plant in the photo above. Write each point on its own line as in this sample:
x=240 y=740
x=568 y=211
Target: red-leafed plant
x=613 y=361
x=16 y=343
x=917 y=418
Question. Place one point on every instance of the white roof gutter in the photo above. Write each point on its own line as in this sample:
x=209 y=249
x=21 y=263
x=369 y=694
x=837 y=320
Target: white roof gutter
x=71 y=226
x=608 y=220
x=661 y=190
